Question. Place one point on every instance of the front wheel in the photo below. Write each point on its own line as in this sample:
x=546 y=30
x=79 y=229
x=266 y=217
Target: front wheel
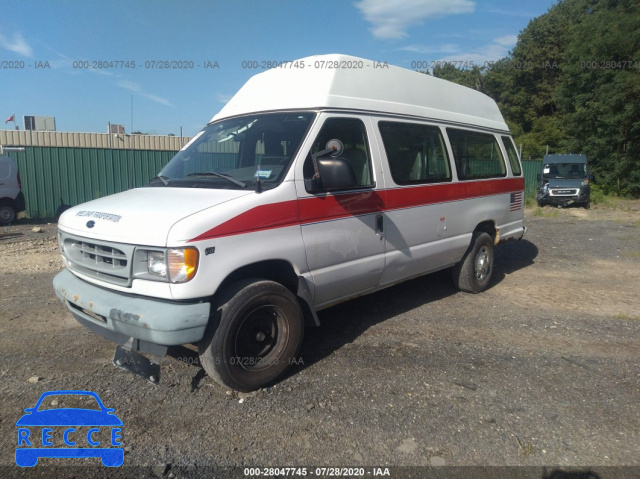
x=473 y=273
x=254 y=336
x=7 y=213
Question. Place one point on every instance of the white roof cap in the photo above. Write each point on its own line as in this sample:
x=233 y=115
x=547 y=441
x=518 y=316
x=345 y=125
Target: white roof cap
x=359 y=85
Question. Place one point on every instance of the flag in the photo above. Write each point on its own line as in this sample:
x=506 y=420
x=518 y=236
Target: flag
x=11 y=118
x=515 y=201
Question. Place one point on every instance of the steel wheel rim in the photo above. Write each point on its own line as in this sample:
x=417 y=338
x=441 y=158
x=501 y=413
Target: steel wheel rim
x=482 y=263
x=5 y=213
x=261 y=339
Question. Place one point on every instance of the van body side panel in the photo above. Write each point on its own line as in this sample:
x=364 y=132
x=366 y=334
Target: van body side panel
x=429 y=227
x=345 y=254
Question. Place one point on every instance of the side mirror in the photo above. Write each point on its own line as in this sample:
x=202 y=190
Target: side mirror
x=331 y=173
x=336 y=174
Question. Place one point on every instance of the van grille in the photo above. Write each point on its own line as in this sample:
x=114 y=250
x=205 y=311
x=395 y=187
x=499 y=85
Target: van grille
x=102 y=260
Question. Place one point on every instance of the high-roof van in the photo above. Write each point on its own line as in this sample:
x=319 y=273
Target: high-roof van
x=11 y=196
x=321 y=180
x=564 y=180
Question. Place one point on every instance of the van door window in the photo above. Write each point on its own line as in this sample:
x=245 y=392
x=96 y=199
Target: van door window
x=353 y=135
x=416 y=153
x=477 y=155
x=513 y=156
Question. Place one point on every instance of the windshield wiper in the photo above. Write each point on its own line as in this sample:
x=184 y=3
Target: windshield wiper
x=164 y=179
x=219 y=175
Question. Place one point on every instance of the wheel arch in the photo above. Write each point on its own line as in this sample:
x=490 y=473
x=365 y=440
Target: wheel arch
x=489 y=227
x=279 y=271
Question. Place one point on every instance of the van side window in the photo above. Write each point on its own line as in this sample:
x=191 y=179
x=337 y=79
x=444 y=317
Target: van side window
x=477 y=155
x=352 y=133
x=416 y=153
x=513 y=156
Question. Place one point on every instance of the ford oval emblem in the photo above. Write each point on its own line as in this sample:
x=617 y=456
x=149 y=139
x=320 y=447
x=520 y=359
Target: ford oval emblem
x=91 y=224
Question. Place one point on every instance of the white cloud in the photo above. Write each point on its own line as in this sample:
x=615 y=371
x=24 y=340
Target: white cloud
x=510 y=12
x=134 y=87
x=430 y=50
x=17 y=45
x=391 y=18
x=506 y=40
x=491 y=52
x=222 y=98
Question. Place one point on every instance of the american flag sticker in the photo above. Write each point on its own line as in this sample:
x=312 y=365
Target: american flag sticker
x=515 y=201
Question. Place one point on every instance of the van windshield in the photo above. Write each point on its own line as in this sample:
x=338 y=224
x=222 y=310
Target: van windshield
x=237 y=153
x=564 y=170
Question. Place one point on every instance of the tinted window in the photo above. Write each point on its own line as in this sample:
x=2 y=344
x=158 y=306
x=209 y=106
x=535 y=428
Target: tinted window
x=513 y=156
x=352 y=133
x=416 y=153
x=477 y=155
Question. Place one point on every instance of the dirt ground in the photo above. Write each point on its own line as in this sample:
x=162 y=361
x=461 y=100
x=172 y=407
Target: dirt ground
x=541 y=371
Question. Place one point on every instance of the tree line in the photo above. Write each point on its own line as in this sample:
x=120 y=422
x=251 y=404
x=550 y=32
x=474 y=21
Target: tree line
x=572 y=85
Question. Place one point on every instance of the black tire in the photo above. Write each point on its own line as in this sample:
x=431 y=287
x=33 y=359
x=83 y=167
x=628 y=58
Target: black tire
x=587 y=205
x=473 y=273
x=7 y=213
x=540 y=203
x=253 y=336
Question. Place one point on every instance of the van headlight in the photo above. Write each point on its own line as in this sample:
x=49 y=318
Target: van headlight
x=584 y=183
x=157 y=263
x=176 y=265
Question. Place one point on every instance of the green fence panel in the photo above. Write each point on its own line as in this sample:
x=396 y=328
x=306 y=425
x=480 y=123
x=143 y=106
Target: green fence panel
x=531 y=168
x=55 y=177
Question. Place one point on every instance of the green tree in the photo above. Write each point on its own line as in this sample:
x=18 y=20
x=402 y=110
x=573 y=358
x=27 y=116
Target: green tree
x=600 y=93
x=572 y=85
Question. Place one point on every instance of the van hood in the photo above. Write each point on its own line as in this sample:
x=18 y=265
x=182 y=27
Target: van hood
x=142 y=216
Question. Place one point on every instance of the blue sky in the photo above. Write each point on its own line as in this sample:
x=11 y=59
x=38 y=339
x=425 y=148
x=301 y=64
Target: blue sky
x=400 y=32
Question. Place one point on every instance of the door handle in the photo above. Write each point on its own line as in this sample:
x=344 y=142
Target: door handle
x=379 y=224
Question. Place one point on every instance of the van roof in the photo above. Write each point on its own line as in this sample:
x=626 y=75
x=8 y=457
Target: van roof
x=362 y=85
x=565 y=158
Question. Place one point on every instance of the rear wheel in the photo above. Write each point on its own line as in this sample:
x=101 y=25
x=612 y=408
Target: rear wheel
x=254 y=336
x=7 y=213
x=473 y=273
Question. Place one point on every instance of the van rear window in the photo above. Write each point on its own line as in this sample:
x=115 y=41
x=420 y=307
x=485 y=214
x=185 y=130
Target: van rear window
x=513 y=156
x=477 y=155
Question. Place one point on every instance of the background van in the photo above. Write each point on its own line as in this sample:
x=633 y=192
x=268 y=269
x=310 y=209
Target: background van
x=11 y=197
x=564 y=180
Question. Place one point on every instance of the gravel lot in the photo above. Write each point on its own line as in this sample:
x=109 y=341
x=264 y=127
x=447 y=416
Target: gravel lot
x=542 y=370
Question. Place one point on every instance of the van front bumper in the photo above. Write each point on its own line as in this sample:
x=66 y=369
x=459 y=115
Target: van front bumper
x=582 y=197
x=119 y=317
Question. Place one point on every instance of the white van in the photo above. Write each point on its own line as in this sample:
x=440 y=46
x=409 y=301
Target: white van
x=11 y=197
x=319 y=181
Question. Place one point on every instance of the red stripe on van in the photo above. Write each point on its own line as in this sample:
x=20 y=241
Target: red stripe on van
x=426 y=195
x=263 y=217
x=330 y=207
